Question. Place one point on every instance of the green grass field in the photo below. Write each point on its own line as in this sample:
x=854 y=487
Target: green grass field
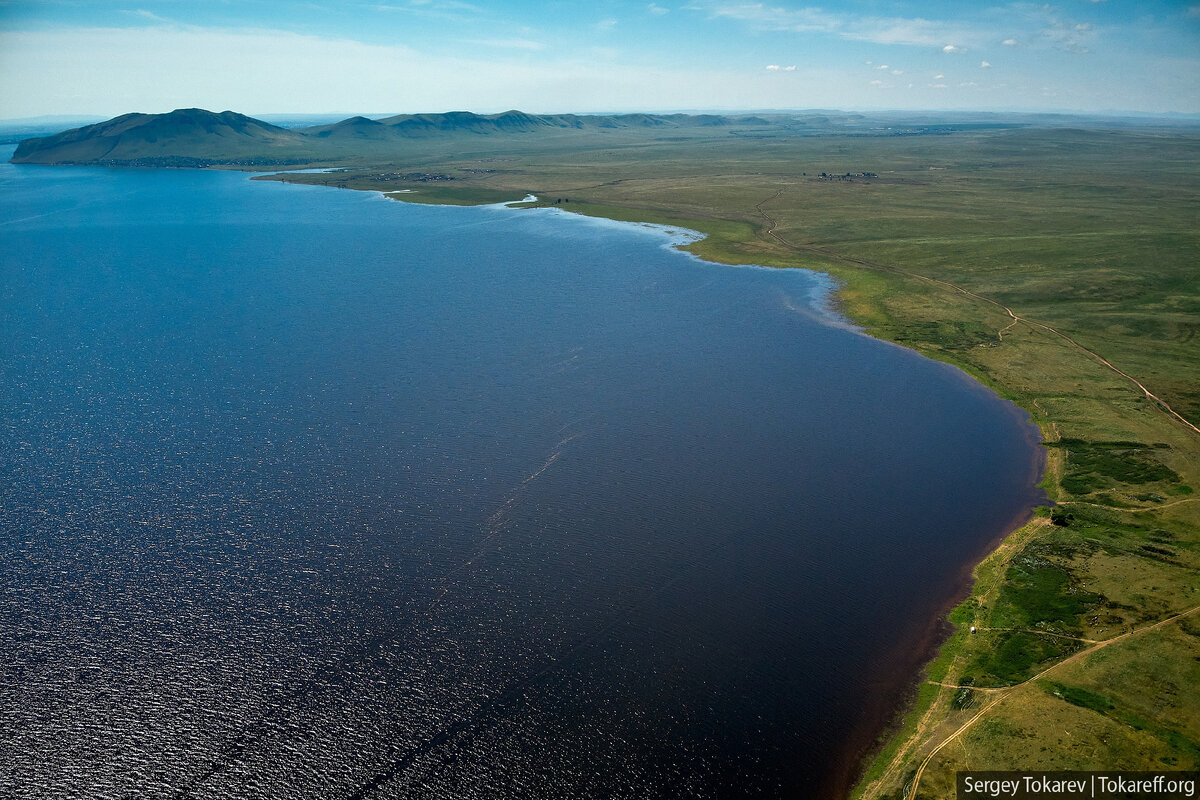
x=1058 y=265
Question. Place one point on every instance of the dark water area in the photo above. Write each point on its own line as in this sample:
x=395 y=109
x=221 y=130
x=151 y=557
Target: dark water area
x=311 y=494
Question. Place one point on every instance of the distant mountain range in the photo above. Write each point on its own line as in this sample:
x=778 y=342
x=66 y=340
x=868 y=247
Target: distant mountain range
x=195 y=137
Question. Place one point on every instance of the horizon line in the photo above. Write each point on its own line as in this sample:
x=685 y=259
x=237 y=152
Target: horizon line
x=1102 y=114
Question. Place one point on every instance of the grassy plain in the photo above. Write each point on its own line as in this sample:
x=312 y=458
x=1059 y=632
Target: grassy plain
x=1059 y=265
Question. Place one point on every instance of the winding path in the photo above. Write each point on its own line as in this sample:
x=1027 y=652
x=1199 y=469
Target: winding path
x=1001 y=692
x=826 y=253
x=1156 y=508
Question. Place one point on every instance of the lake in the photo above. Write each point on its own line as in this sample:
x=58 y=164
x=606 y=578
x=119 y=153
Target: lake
x=309 y=493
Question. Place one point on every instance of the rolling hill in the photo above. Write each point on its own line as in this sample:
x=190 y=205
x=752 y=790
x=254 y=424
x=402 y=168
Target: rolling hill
x=185 y=137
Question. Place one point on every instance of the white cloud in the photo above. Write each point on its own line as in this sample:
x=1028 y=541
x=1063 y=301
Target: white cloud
x=985 y=64
x=897 y=72
x=940 y=86
x=882 y=66
x=878 y=84
x=144 y=14
x=606 y=25
x=950 y=48
x=1010 y=42
x=510 y=44
x=778 y=68
x=912 y=32
x=938 y=77
x=917 y=32
x=653 y=8
x=445 y=5
x=1046 y=24
x=768 y=18
x=439 y=9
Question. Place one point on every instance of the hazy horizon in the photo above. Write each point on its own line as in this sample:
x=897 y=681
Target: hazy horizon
x=948 y=115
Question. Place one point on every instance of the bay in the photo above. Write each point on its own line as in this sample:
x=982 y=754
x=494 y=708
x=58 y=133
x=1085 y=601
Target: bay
x=310 y=493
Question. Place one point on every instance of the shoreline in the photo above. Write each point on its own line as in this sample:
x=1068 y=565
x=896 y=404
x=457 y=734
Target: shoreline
x=923 y=650
x=882 y=721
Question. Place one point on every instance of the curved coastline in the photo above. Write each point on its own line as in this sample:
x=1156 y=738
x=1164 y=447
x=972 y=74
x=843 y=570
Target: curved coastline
x=925 y=307
x=929 y=638
x=930 y=633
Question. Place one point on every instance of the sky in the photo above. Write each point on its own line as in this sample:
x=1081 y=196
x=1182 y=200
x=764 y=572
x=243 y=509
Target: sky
x=108 y=57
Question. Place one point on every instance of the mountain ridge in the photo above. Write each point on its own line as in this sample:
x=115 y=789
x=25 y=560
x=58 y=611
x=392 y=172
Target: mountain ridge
x=197 y=137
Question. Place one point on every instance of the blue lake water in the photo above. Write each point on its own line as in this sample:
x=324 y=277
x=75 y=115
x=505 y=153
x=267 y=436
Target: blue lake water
x=309 y=493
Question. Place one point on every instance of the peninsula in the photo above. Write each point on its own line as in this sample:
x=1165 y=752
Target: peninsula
x=1052 y=258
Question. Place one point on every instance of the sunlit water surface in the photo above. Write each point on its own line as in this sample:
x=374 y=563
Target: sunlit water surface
x=313 y=494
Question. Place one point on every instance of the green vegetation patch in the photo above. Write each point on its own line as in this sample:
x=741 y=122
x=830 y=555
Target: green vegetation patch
x=1039 y=593
x=1016 y=656
x=1095 y=528
x=945 y=334
x=1109 y=707
x=964 y=698
x=1078 y=696
x=1092 y=466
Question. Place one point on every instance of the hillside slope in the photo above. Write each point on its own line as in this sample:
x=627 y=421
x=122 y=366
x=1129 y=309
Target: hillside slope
x=189 y=136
